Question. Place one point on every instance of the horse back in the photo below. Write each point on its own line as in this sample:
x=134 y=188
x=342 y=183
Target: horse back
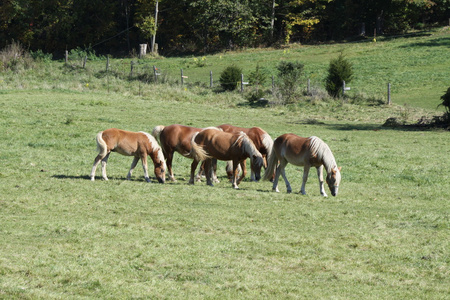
x=177 y=138
x=126 y=142
x=293 y=148
x=219 y=144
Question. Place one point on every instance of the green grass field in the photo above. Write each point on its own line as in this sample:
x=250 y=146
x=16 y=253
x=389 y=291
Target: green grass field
x=385 y=236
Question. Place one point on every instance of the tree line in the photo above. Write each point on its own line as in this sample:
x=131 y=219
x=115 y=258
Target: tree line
x=182 y=26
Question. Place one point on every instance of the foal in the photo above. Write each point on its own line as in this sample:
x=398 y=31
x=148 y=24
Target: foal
x=138 y=144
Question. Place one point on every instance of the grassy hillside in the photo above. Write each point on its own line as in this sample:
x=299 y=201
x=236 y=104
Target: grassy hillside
x=416 y=66
x=386 y=235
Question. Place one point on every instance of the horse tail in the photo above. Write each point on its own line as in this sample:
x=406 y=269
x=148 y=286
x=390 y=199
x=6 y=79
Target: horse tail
x=197 y=152
x=271 y=164
x=156 y=132
x=102 y=148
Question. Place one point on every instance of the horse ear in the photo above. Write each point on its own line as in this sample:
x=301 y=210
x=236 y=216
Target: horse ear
x=340 y=168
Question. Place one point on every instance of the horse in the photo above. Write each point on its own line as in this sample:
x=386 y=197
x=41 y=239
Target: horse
x=237 y=147
x=138 y=144
x=262 y=140
x=306 y=152
x=174 y=138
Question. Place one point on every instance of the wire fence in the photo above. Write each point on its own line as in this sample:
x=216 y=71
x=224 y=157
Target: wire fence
x=146 y=72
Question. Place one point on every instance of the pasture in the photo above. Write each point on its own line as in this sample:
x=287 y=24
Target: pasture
x=386 y=235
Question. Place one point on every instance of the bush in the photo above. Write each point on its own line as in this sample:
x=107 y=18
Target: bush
x=339 y=70
x=230 y=77
x=446 y=101
x=289 y=74
x=14 y=57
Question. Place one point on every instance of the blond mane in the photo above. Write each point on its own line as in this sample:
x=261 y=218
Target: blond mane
x=155 y=146
x=321 y=150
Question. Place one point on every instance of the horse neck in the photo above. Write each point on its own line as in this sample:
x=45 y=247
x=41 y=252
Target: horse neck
x=153 y=146
x=321 y=150
x=248 y=146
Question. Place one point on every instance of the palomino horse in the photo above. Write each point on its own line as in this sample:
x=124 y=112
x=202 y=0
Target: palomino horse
x=213 y=143
x=307 y=152
x=174 y=138
x=137 y=144
x=262 y=140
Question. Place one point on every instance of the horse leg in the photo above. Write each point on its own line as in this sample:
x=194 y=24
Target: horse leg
x=104 y=162
x=144 y=165
x=320 y=175
x=94 y=167
x=201 y=171
x=283 y=164
x=234 y=179
x=133 y=165
x=244 y=170
x=169 y=159
x=305 y=178
x=193 y=167
x=209 y=172
x=214 y=167
x=277 y=177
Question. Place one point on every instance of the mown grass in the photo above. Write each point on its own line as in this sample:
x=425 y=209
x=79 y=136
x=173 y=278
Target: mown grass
x=386 y=235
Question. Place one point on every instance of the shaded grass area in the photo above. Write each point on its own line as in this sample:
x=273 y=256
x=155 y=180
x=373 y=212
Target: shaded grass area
x=385 y=236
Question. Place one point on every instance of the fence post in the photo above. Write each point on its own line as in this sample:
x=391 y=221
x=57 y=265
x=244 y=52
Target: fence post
x=66 y=58
x=182 y=77
x=84 y=61
x=389 y=94
x=132 y=67
x=343 y=88
x=273 y=84
x=107 y=63
x=210 y=79
x=242 y=83
x=154 y=73
x=309 y=86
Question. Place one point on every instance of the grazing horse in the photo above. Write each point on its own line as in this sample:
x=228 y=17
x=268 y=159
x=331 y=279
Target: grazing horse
x=138 y=144
x=262 y=140
x=306 y=152
x=174 y=138
x=213 y=143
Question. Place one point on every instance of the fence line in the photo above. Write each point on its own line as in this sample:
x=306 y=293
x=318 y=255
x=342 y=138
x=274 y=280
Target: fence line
x=144 y=71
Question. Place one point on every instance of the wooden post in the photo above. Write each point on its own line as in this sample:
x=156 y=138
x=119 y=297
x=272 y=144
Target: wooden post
x=182 y=77
x=107 y=63
x=343 y=88
x=142 y=50
x=242 y=83
x=132 y=69
x=84 y=61
x=66 y=57
x=309 y=86
x=154 y=72
x=389 y=94
x=273 y=84
x=210 y=79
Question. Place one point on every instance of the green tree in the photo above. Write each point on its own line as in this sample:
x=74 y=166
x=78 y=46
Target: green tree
x=339 y=70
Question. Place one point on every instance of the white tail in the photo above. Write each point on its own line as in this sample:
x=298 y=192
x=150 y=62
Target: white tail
x=271 y=165
x=102 y=148
x=197 y=152
x=156 y=132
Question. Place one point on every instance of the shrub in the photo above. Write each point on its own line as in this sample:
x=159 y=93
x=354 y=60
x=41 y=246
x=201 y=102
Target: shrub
x=340 y=70
x=446 y=101
x=230 y=77
x=289 y=74
x=14 y=57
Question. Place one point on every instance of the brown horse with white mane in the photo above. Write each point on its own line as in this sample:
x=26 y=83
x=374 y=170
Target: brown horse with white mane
x=138 y=144
x=307 y=152
x=260 y=138
x=213 y=143
x=174 y=138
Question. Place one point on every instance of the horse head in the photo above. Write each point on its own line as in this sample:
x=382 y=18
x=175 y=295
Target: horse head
x=257 y=163
x=333 y=180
